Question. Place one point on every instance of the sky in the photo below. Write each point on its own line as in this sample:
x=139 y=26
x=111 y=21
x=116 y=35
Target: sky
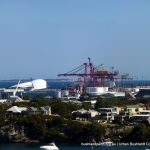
x=42 y=38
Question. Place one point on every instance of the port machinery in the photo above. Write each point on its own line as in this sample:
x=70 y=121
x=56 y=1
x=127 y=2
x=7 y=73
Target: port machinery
x=95 y=76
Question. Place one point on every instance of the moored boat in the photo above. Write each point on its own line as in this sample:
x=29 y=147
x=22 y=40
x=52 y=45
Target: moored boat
x=50 y=146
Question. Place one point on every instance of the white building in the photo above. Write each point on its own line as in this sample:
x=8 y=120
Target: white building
x=96 y=91
x=104 y=91
x=106 y=114
x=83 y=114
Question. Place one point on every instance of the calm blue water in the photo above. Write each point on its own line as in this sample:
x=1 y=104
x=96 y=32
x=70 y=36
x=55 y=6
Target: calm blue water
x=57 y=84
x=36 y=147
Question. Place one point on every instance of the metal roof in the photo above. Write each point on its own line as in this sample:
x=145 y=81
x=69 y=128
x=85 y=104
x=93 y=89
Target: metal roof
x=16 y=109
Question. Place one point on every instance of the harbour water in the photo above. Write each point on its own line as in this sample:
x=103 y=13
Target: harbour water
x=68 y=147
x=58 y=84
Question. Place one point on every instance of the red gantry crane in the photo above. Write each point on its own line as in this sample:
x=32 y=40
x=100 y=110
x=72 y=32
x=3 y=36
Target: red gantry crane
x=93 y=76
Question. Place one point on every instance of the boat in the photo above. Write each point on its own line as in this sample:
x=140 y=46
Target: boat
x=50 y=146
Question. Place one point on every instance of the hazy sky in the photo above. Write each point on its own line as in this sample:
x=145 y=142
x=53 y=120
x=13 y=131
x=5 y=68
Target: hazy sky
x=42 y=38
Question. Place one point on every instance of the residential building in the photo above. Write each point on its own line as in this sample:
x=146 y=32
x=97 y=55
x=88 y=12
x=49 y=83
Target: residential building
x=15 y=110
x=83 y=114
x=106 y=114
x=131 y=110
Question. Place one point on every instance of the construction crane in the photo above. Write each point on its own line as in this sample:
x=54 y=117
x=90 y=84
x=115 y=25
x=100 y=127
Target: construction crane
x=92 y=75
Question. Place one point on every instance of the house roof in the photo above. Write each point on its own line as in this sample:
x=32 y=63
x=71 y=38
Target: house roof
x=82 y=111
x=141 y=115
x=91 y=110
x=133 y=106
x=16 y=109
x=43 y=109
x=33 y=109
x=105 y=108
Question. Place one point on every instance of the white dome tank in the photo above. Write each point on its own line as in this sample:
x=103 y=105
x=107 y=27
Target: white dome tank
x=96 y=90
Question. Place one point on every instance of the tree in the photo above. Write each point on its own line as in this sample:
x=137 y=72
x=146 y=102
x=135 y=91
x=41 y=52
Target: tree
x=117 y=120
x=97 y=131
x=86 y=105
x=35 y=126
x=2 y=120
x=100 y=104
x=140 y=133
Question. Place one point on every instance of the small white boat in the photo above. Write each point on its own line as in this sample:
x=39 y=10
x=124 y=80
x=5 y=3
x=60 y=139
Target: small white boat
x=50 y=146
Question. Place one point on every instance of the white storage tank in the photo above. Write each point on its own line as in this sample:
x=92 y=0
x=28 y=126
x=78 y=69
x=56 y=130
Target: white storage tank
x=66 y=92
x=96 y=90
x=58 y=94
